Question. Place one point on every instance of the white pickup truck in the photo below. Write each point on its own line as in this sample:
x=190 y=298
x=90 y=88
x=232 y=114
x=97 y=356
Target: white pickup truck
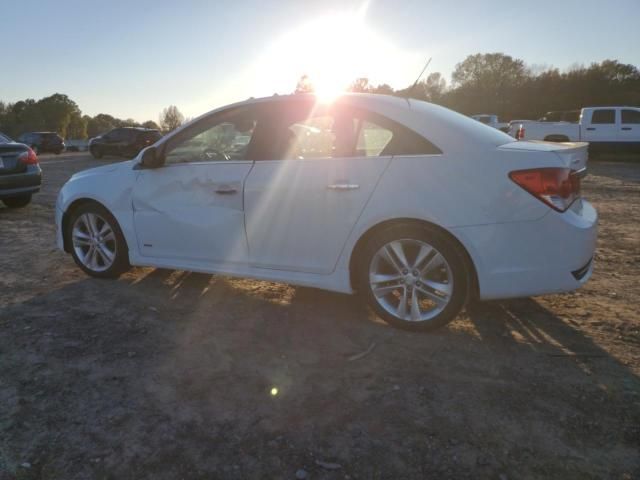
x=607 y=129
x=491 y=120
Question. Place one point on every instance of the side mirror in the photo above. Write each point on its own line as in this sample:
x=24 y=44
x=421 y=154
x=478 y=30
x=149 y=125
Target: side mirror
x=151 y=158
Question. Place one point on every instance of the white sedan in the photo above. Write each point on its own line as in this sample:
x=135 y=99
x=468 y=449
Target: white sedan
x=414 y=206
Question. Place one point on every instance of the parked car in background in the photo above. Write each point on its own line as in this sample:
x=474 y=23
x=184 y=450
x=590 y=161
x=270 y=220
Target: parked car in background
x=42 y=142
x=571 y=116
x=492 y=121
x=607 y=129
x=123 y=142
x=413 y=205
x=20 y=174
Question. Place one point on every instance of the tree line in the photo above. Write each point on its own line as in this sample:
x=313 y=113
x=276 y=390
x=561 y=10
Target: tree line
x=483 y=83
x=58 y=113
x=500 y=84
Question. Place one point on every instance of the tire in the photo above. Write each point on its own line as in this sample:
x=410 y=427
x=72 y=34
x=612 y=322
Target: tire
x=96 y=152
x=84 y=235
x=17 y=202
x=442 y=265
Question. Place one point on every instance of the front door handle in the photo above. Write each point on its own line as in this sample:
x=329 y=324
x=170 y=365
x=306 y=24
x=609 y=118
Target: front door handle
x=590 y=128
x=343 y=186
x=226 y=190
x=626 y=128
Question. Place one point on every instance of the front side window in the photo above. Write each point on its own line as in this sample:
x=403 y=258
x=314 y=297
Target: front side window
x=319 y=136
x=220 y=138
x=604 y=116
x=631 y=116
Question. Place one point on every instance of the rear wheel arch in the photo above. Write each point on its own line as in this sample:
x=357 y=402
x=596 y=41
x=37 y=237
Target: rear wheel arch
x=358 y=250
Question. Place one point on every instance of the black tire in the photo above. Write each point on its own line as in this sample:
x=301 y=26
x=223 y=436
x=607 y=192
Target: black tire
x=96 y=152
x=444 y=245
x=121 y=261
x=17 y=202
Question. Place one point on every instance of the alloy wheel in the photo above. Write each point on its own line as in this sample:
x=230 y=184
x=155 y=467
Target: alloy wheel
x=94 y=242
x=411 y=280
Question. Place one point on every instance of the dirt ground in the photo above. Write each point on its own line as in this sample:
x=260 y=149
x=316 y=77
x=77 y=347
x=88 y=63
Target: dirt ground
x=171 y=375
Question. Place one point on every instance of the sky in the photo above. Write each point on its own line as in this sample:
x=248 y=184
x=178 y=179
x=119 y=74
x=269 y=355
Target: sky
x=133 y=58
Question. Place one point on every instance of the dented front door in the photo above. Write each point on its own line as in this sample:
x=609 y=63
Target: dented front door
x=192 y=211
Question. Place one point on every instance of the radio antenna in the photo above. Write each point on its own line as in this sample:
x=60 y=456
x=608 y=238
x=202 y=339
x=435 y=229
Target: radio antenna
x=421 y=73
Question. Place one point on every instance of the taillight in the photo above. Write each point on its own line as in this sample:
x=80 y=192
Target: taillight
x=520 y=133
x=557 y=187
x=28 y=158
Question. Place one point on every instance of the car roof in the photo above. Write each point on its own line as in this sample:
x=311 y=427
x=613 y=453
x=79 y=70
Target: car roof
x=448 y=130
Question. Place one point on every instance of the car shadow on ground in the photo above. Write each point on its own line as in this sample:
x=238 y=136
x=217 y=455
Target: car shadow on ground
x=171 y=374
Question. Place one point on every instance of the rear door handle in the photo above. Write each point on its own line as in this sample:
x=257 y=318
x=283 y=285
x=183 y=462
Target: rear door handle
x=626 y=128
x=590 y=128
x=343 y=186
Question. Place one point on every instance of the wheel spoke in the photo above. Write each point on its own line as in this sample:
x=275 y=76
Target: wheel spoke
x=91 y=223
x=424 y=252
x=401 y=311
x=398 y=250
x=444 y=288
x=435 y=261
x=381 y=278
x=80 y=238
x=415 y=306
x=432 y=296
x=386 y=289
x=105 y=253
x=388 y=257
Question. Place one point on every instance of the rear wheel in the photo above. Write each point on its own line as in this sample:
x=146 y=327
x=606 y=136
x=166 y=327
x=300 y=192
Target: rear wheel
x=413 y=277
x=97 y=243
x=96 y=152
x=17 y=202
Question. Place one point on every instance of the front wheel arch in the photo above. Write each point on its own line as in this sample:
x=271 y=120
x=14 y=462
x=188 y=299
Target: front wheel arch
x=73 y=206
x=358 y=250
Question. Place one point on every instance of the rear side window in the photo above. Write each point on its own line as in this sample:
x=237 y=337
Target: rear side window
x=372 y=139
x=604 y=116
x=631 y=116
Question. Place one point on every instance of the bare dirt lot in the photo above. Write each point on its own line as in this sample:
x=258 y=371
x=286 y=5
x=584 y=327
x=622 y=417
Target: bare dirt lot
x=169 y=375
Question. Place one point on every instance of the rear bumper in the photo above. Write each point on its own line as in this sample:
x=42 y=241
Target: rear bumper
x=21 y=183
x=551 y=255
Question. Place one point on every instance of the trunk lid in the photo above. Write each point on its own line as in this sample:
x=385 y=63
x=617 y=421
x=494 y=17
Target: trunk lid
x=574 y=155
x=9 y=153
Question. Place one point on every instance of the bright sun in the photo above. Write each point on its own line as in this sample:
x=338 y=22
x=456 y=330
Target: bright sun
x=332 y=51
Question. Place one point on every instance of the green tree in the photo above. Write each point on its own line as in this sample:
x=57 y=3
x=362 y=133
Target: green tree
x=171 y=118
x=56 y=111
x=77 y=128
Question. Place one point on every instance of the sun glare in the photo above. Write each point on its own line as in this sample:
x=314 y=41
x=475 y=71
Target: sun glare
x=332 y=51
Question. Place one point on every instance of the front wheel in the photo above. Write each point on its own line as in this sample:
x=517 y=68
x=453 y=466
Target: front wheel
x=17 y=202
x=97 y=244
x=414 y=277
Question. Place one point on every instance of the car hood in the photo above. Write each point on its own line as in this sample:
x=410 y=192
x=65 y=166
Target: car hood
x=104 y=169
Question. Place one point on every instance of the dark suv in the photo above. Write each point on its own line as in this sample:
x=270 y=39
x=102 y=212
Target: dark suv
x=42 y=142
x=124 y=141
